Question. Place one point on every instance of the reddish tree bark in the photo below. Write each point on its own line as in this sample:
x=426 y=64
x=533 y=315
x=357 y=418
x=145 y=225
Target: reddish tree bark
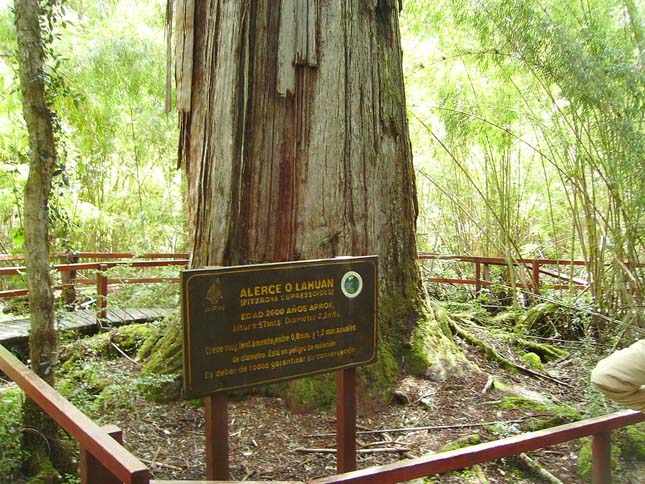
x=295 y=141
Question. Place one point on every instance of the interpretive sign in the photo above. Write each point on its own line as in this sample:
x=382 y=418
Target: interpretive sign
x=249 y=325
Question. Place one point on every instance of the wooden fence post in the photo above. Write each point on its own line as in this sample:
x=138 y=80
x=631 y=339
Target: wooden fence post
x=92 y=471
x=535 y=266
x=101 y=292
x=601 y=458
x=478 y=279
x=346 y=420
x=216 y=416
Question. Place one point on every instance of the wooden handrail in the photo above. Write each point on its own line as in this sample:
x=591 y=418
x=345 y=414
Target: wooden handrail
x=88 y=434
x=69 y=278
x=102 y=255
x=500 y=260
x=532 y=282
x=82 y=266
x=488 y=451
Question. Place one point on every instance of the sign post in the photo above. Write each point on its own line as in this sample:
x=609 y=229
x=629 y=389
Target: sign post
x=216 y=416
x=346 y=420
x=252 y=325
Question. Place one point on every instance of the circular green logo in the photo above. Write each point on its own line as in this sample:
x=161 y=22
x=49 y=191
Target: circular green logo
x=351 y=284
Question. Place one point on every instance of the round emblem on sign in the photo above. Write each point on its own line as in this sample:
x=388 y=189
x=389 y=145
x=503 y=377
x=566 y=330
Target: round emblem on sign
x=351 y=284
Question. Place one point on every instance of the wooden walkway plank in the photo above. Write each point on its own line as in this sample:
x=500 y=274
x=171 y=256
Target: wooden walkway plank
x=84 y=320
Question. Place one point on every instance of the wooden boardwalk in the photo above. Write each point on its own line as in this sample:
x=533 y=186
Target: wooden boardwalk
x=85 y=321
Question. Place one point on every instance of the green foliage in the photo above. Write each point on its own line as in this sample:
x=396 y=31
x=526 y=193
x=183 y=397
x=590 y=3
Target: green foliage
x=627 y=446
x=70 y=479
x=116 y=187
x=126 y=182
x=47 y=474
x=528 y=130
x=97 y=387
x=164 y=295
x=11 y=453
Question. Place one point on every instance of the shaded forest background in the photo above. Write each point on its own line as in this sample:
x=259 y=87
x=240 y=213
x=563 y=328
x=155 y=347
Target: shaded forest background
x=526 y=120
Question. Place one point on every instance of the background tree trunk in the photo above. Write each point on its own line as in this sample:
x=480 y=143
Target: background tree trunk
x=295 y=140
x=40 y=437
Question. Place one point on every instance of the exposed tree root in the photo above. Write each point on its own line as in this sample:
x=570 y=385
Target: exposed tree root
x=493 y=355
x=537 y=469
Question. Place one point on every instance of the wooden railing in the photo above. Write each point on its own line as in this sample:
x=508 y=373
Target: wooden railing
x=70 y=280
x=529 y=274
x=598 y=428
x=103 y=460
x=534 y=268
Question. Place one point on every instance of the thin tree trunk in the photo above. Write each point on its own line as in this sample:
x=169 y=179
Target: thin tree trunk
x=40 y=436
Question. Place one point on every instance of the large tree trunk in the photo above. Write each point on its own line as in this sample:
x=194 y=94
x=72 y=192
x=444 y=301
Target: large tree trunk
x=40 y=436
x=295 y=140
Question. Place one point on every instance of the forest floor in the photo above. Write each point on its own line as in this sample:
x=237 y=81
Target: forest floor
x=270 y=441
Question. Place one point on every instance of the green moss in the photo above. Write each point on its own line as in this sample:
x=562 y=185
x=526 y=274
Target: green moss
x=507 y=318
x=535 y=316
x=532 y=360
x=632 y=441
x=127 y=338
x=491 y=353
x=83 y=348
x=585 y=459
x=47 y=474
x=500 y=385
x=130 y=338
x=379 y=377
x=461 y=442
x=522 y=402
x=558 y=414
x=544 y=351
x=162 y=351
x=11 y=453
x=433 y=352
x=315 y=392
x=157 y=331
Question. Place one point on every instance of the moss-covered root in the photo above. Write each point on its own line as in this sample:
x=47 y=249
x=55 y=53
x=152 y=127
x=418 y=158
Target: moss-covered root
x=161 y=352
x=491 y=353
x=46 y=473
x=535 y=468
x=126 y=339
x=461 y=442
x=433 y=352
x=536 y=314
x=547 y=352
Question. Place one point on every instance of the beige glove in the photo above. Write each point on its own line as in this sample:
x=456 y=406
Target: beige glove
x=621 y=376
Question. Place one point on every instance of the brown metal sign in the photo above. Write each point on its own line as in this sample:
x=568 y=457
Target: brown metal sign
x=251 y=325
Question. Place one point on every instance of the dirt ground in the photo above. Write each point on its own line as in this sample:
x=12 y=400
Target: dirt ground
x=268 y=441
